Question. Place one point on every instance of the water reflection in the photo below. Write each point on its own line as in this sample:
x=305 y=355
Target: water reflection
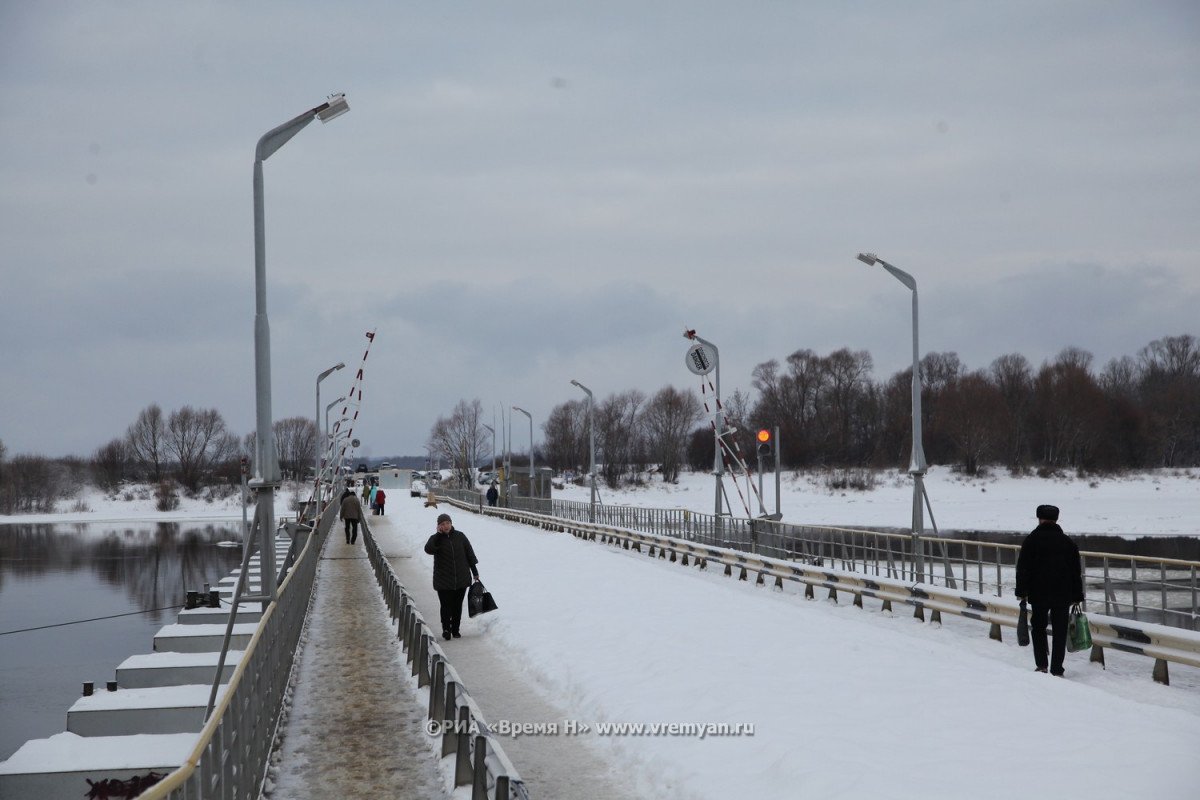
x=50 y=574
x=154 y=566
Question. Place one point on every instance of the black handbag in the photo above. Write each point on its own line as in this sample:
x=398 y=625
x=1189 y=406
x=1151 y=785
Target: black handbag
x=479 y=600
x=1023 y=626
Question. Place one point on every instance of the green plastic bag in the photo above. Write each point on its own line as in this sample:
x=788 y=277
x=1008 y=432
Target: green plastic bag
x=1079 y=634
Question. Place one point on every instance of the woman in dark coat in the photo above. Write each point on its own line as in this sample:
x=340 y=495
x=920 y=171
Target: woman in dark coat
x=453 y=572
x=1050 y=577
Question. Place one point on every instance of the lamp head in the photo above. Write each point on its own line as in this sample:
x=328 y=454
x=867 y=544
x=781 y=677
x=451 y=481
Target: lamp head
x=333 y=108
x=575 y=382
x=869 y=259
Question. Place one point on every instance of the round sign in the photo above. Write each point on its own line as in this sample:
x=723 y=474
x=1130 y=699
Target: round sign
x=354 y=443
x=701 y=359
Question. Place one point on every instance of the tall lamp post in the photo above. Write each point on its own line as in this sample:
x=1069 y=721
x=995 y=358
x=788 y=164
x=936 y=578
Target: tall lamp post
x=317 y=421
x=591 y=449
x=526 y=413
x=916 y=461
x=327 y=407
x=492 y=431
x=267 y=476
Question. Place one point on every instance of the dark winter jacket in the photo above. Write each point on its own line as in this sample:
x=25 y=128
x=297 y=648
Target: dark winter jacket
x=1048 y=568
x=351 y=508
x=493 y=494
x=453 y=560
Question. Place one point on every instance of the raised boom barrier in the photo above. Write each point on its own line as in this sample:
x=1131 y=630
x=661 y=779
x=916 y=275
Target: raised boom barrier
x=1163 y=643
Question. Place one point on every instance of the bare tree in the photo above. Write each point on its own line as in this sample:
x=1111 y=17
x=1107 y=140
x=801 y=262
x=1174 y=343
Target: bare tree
x=1171 y=396
x=110 y=464
x=460 y=437
x=971 y=410
x=296 y=443
x=666 y=423
x=566 y=435
x=617 y=433
x=196 y=439
x=147 y=438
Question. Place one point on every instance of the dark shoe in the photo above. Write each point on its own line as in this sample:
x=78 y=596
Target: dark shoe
x=1059 y=674
x=456 y=634
x=446 y=635
x=1040 y=669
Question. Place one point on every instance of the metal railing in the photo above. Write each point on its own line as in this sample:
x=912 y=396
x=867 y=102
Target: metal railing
x=1160 y=642
x=231 y=755
x=479 y=761
x=1159 y=590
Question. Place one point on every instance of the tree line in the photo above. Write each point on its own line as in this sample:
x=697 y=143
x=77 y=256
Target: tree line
x=1136 y=412
x=189 y=447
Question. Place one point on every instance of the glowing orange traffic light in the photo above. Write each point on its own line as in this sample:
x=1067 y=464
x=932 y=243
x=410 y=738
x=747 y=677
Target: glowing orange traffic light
x=764 y=442
x=764 y=436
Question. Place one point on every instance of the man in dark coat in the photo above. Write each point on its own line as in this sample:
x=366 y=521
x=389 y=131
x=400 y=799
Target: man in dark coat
x=453 y=572
x=351 y=512
x=1050 y=577
x=493 y=494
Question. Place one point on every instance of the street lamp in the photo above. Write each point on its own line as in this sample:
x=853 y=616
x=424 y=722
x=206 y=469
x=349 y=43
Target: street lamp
x=591 y=449
x=317 y=421
x=492 y=431
x=267 y=460
x=916 y=461
x=331 y=405
x=526 y=413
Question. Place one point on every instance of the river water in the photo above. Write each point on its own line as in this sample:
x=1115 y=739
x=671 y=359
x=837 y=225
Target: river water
x=55 y=573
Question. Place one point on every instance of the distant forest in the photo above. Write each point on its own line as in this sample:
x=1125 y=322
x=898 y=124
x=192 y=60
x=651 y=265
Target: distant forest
x=1135 y=412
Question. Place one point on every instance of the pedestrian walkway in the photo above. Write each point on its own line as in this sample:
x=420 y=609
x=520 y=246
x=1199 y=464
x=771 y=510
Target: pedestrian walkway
x=550 y=766
x=355 y=730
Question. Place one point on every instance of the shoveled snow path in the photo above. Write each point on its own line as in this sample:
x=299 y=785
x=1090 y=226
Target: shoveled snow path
x=551 y=766
x=355 y=727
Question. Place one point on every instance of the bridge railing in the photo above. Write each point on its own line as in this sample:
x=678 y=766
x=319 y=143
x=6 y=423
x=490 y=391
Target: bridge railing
x=479 y=760
x=231 y=755
x=1160 y=590
x=1160 y=642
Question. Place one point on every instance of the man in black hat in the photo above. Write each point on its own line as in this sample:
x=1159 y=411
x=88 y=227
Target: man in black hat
x=1050 y=577
x=453 y=572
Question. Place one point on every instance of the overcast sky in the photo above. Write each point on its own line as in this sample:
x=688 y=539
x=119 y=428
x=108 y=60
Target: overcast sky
x=526 y=193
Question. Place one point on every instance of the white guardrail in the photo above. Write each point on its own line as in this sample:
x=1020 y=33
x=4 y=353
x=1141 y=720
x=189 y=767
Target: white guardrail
x=479 y=761
x=1163 y=643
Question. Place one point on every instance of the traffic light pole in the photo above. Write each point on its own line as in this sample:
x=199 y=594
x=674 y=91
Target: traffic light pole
x=778 y=515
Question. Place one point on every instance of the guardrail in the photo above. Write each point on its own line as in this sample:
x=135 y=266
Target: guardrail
x=230 y=758
x=1158 y=590
x=1161 y=642
x=478 y=758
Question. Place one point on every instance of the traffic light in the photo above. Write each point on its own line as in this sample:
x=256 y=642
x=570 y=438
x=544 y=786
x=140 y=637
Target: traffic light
x=764 y=442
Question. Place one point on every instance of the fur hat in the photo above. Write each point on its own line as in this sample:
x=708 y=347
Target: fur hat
x=446 y=517
x=1049 y=513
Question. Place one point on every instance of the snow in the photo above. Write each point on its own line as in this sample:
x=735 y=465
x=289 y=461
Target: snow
x=68 y=751
x=1137 y=504
x=844 y=702
x=161 y=697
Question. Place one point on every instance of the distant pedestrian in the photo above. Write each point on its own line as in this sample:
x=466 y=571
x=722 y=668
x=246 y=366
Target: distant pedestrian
x=380 y=499
x=1050 y=577
x=371 y=497
x=366 y=491
x=453 y=572
x=351 y=515
x=493 y=495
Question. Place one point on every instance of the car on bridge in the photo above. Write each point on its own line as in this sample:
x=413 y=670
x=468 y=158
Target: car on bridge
x=361 y=468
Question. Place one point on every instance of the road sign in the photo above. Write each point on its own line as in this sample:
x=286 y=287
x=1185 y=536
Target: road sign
x=700 y=359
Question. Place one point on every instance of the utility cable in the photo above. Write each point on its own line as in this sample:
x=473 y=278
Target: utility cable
x=93 y=619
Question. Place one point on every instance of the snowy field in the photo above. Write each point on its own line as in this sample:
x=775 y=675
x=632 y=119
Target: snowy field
x=1144 y=503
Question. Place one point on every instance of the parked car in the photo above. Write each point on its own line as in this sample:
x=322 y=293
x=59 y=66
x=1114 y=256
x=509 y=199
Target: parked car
x=416 y=489
x=361 y=468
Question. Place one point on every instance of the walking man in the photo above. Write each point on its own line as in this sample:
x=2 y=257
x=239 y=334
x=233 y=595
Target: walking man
x=1050 y=577
x=493 y=494
x=453 y=572
x=351 y=513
